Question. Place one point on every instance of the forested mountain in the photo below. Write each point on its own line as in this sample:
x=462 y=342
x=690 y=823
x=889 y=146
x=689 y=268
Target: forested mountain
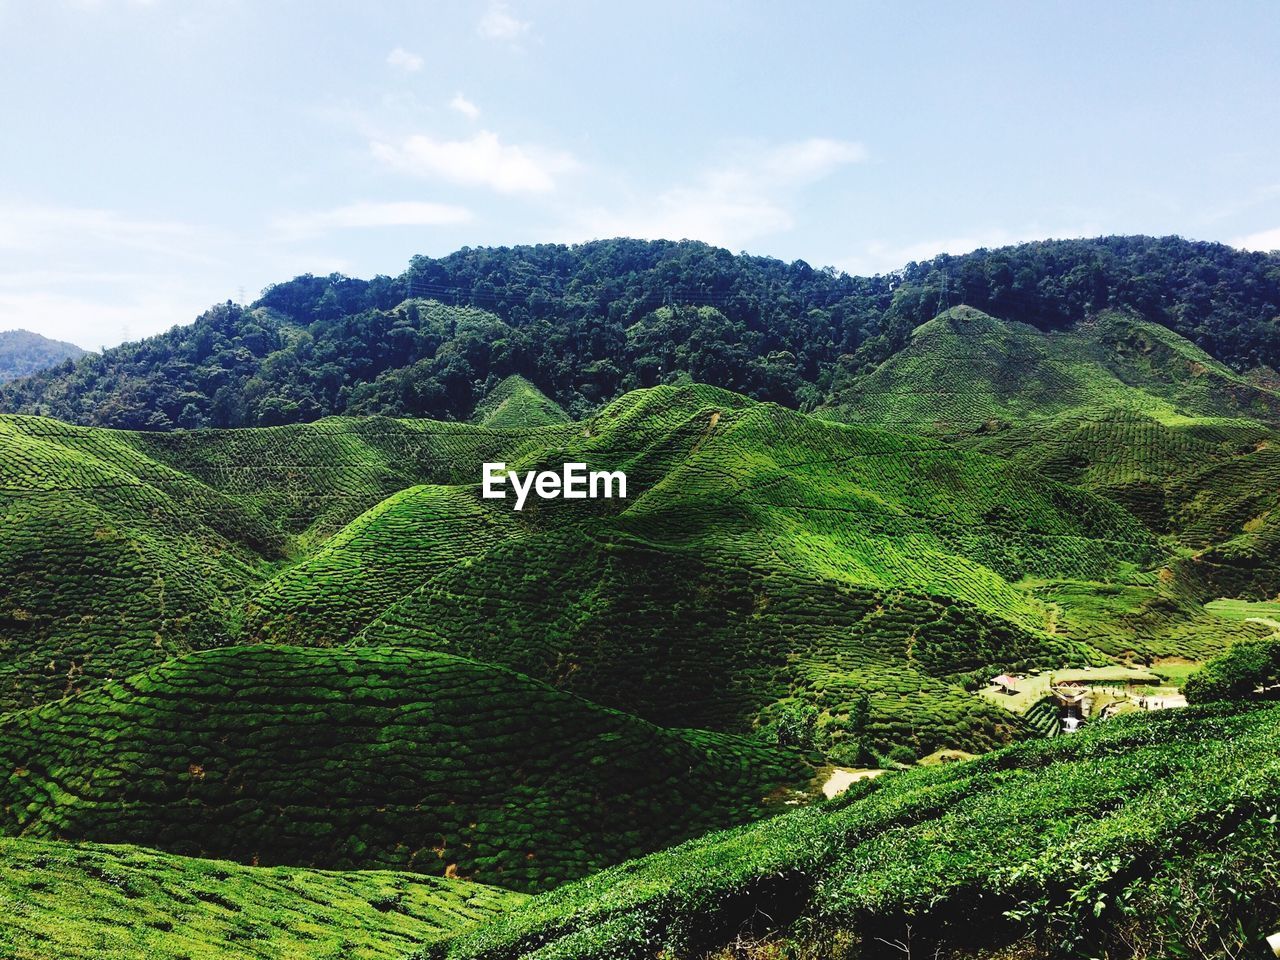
x=588 y=322
x=23 y=352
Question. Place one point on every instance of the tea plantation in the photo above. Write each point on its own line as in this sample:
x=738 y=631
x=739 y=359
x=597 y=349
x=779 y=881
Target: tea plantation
x=371 y=758
x=86 y=902
x=1152 y=833
x=316 y=647
x=765 y=560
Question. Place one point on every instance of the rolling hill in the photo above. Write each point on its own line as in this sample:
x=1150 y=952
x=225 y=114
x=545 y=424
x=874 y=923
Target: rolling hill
x=590 y=322
x=1116 y=405
x=88 y=901
x=281 y=661
x=391 y=759
x=965 y=371
x=1156 y=832
x=764 y=560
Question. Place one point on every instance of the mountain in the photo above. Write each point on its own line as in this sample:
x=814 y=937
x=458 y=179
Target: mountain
x=965 y=371
x=587 y=323
x=515 y=402
x=311 y=644
x=1156 y=830
x=23 y=353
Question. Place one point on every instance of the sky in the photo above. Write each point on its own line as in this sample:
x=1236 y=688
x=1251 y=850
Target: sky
x=158 y=156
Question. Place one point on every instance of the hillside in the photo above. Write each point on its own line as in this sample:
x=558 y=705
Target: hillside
x=965 y=371
x=1153 y=833
x=23 y=353
x=590 y=322
x=1118 y=406
x=516 y=402
x=371 y=758
x=847 y=565
x=86 y=901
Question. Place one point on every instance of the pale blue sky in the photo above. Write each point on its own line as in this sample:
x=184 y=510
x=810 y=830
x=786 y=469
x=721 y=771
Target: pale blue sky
x=158 y=156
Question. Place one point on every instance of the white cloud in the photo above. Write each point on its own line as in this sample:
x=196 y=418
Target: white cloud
x=95 y=277
x=403 y=213
x=464 y=106
x=499 y=23
x=749 y=196
x=402 y=59
x=30 y=228
x=808 y=160
x=482 y=160
x=1264 y=241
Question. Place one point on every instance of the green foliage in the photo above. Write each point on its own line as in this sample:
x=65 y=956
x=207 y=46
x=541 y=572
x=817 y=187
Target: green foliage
x=762 y=555
x=1239 y=674
x=588 y=322
x=1056 y=846
x=371 y=758
x=515 y=403
x=84 y=902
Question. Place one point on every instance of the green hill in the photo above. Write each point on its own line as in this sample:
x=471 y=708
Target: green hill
x=764 y=562
x=517 y=403
x=85 y=902
x=965 y=371
x=371 y=758
x=121 y=549
x=1156 y=830
x=1120 y=407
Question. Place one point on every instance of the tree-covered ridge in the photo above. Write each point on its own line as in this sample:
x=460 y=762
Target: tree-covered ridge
x=588 y=322
x=23 y=353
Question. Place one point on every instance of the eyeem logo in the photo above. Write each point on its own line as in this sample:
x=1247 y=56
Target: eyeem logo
x=573 y=482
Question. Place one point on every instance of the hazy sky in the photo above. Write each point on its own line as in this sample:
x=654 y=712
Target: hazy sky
x=159 y=156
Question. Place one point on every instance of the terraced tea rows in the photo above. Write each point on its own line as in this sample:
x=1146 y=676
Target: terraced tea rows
x=1079 y=843
x=680 y=639
x=965 y=370
x=376 y=528
x=88 y=902
x=517 y=404
x=371 y=758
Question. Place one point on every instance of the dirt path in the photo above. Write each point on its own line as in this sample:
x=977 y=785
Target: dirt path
x=842 y=778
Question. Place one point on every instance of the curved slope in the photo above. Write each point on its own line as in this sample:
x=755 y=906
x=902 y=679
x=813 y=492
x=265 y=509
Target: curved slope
x=87 y=902
x=371 y=758
x=1001 y=856
x=516 y=403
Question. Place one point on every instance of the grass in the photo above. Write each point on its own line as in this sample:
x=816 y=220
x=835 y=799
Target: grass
x=1265 y=612
x=89 y=901
x=317 y=646
x=516 y=403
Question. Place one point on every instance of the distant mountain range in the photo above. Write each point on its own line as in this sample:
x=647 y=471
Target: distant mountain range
x=584 y=324
x=23 y=353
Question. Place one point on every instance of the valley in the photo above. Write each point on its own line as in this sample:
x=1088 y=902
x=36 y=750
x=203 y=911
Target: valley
x=798 y=675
